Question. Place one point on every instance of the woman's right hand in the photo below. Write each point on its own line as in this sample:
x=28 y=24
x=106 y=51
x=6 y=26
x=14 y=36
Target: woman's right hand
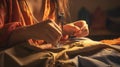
x=47 y=30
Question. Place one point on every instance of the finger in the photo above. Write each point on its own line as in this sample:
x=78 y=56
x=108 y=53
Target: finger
x=51 y=23
x=83 y=32
x=55 y=27
x=45 y=46
x=49 y=30
x=50 y=37
x=70 y=29
x=85 y=29
x=64 y=38
x=80 y=23
x=54 y=36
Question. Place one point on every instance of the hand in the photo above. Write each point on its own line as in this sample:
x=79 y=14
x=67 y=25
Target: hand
x=78 y=28
x=12 y=26
x=48 y=31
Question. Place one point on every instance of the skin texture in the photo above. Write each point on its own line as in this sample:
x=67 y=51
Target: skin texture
x=77 y=28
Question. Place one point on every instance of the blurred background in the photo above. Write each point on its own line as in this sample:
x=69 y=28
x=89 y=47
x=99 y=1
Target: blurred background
x=102 y=16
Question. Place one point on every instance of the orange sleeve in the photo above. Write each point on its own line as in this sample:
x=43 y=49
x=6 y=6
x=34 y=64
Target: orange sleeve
x=5 y=28
x=2 y=19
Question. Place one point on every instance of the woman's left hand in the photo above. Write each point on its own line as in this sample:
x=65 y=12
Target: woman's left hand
x=78 y=29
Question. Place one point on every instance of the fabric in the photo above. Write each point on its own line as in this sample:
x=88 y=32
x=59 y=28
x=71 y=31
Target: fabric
x=10 y=14
x=15 y=14
x=80 y=52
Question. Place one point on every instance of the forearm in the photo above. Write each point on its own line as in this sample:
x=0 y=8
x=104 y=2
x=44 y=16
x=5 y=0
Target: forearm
x=46 y=30
x=6 y=30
